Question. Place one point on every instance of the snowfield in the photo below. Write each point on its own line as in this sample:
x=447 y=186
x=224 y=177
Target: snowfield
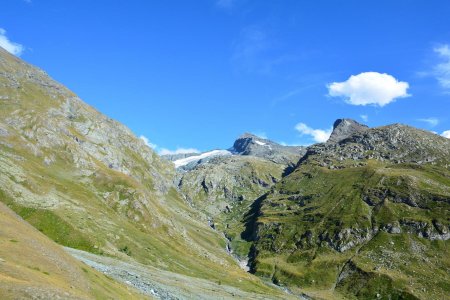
x=184 y=161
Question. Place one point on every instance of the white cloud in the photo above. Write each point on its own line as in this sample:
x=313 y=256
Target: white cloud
x=442 y=70
x=365 y=118
x=430 y=121
x=369 y=88
x=319 y=135
x=147 y=142
x=165 y=151
x=290 y=144
x=11 y=47
x=446 y=134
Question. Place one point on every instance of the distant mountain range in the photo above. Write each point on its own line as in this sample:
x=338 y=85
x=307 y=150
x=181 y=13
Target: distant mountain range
x=365 y=215
x=247 y=145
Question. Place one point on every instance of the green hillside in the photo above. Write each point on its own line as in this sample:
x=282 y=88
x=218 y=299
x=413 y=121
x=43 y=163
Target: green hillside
x=360 y=219
x=88 y=182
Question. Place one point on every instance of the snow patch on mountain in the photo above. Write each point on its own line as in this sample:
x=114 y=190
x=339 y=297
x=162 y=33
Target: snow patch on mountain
x=184 y=161
x=260 y=143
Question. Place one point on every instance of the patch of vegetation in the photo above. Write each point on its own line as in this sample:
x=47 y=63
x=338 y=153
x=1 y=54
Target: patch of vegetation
x=125 y=250
x=53 y=226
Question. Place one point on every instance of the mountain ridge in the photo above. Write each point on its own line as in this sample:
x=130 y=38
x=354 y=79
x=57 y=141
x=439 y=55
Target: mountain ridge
x=358 y=208
x=363 y=215
x=88 y=182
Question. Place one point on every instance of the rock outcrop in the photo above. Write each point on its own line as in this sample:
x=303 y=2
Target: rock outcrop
x=343 y=128
x=252 y=145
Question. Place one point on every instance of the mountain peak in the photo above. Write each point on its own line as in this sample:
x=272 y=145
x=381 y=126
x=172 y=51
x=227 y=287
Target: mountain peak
x=245 y=143
x=248 y=135
x=343 y=128
x=253 y=145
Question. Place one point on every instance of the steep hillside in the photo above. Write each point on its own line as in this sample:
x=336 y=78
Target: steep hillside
x=32 y=266
x=363 y=216
x=224 y=187
x=87 y=182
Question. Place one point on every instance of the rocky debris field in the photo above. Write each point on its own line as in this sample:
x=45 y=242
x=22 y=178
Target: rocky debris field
x=161 y=284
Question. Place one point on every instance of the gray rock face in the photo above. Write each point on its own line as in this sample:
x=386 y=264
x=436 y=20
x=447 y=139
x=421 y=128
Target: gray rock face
x=43 y=121
x=249 y=144
x=256 y=164
x=225 y=180
x=394 y=143
x=343 y=128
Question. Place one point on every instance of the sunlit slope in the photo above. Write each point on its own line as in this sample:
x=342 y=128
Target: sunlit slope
x=363 y=218
x=32 y=266
x=87 y=182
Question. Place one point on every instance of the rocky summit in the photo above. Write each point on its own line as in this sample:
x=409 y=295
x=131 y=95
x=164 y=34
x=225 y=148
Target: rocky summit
x=89 y=211
x=343 y=128
x=250 y=144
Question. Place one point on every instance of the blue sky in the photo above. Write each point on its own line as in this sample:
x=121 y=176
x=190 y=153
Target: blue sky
x=196 y=74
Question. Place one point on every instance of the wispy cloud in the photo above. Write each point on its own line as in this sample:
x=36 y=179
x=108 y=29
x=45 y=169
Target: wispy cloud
x=446 y=134
x=290 y=144
x=430 y=121
x=11 y=47
x=247 y=49
x=441 y=71
x=318 y=135
x=147 y=142
x=365 y=118
x=256 y=51
x=165 y=151
x=369 y=88
x=227 y=4
x=287 y=95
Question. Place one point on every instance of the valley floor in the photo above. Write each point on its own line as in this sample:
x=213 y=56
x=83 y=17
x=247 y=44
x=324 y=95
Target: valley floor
x=162 y=284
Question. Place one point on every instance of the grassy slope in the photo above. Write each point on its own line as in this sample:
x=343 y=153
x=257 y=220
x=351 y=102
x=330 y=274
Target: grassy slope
x=300 y=223
x=33 y=266
x=104 y=210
